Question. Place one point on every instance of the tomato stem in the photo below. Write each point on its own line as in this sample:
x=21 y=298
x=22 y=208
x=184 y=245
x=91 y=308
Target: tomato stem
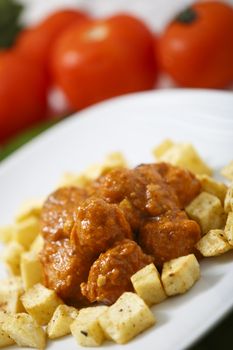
x=187 y=16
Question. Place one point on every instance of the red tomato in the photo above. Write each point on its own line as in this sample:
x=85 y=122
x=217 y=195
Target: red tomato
x=196 y=48
x=35 y=43
x=102 y=59
x=22 y=94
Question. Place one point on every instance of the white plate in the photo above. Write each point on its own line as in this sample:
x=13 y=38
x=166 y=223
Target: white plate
x=135 y=124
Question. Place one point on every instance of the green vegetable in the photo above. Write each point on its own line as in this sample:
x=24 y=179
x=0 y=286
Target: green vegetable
x=10 y=26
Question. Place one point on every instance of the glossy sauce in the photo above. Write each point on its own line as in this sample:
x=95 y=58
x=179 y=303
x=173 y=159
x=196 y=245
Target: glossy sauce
x=96 y=238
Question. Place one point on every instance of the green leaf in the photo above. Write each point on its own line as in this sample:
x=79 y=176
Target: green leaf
x=10 y=26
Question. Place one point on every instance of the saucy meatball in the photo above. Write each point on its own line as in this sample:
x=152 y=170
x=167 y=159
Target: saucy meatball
x=58 y=213
x=89 y=253
x=132 y=214
x=144 y=189
x=99 y=225
x=183 y=182
x=116 y=185
x=110 y=274
x=64 y=269
x=169 y=236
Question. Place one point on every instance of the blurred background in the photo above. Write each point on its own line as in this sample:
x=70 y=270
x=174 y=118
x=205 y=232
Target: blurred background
x=61 y=56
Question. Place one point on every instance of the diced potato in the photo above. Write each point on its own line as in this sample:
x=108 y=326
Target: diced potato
x=72 y=179
x=228 y=230
x=5 y=339
x=148 y=286
x=11 y=290
x=212 y=186
x=10 y=301
x=185 y=155
x=213 y=243
x=59 y=325
x=12 y=284
x=126 y=318
x=11 y=257
x=6 y=233
x=112 y=161
x=37 y=245
x=40 y=302
x=86 y=328
x=227 y=171
x=207 y=210
x=228 y=203
x=29 y=208
x=179 y=275
x=25 y=331
x=162 y=148
x=26 y=231
x=31 y=269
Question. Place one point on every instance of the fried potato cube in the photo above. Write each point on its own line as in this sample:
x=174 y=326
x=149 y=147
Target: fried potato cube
x=37 y=245
x=227 y=171
x=29 y=208
x=31 y=269
x=228 y=203
x=207 y=210
x=5 y=339
x=212 y=186
x=112 y=161
x=162 y=148
x=148 y=286
x=26 y=231
x=179 y=275
x=11 y=257
x=10 y=302
x=126 y=318
x=59 y=325
x=11 y=290
x=40 y=302
x=73 y=179
x=86 y=328
x=11 y=284
x=6 y=233
x=24 y=330
x=228 y=230
x=185 y=155
x=213 y=243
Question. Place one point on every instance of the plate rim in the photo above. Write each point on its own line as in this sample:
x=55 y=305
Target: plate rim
x=109 y=102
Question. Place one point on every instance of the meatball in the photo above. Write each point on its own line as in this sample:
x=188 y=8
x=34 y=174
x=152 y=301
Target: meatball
x=110 y=274
x=143 y=188
x=58 y=213
x=132 y=214
x=169 y=236
x=116 y=185
x=183 y=182
x=64 y=269
x=159 y=197
x=98 y=226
